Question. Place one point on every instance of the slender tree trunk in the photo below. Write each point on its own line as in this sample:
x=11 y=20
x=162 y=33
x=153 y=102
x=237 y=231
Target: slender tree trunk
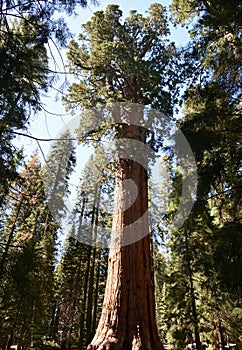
x=84 y=301
x=194 y=315
x=85 y=293
x=193 y=299
x=95 y=306
x=73 y=310
x=75 y=299
x=90 y=297
x=128 y=316
x=22 y=337
x=53 y=327
x=13 y=327
x=220 y=334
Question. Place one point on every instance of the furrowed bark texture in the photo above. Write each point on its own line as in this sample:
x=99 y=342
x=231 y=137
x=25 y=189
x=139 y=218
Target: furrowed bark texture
x=128 y=316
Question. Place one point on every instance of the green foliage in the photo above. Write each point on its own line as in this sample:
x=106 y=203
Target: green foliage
x=216 y=34
x=204 y=265
x=116 y=60
x=28 y=246
x=81 y=274
x=80 y=288
x=56 y=173
x=22 y=76
x=26 y=28
x=212 y=111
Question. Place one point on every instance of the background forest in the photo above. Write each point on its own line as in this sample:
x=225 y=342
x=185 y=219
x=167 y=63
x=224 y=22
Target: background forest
x=51 y=293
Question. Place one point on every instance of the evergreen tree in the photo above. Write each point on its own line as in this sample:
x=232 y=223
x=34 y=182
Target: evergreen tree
x=125 y=61
x=56 y=173
x=212 y=123
x=27 y=262
x=82 y=271
x=22 y=76
x=27 y=29
x=216 y=34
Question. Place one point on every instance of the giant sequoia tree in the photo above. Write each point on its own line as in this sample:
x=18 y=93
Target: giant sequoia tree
x=125 y=61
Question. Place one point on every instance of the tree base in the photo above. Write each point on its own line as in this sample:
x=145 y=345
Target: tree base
x=115 y=344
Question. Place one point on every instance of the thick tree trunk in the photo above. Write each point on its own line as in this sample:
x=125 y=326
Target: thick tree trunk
x=128 y=316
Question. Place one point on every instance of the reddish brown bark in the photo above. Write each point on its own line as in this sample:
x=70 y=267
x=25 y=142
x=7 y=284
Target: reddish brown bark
x=128 y=316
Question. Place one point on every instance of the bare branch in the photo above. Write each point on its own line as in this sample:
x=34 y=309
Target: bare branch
x=40 y=139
